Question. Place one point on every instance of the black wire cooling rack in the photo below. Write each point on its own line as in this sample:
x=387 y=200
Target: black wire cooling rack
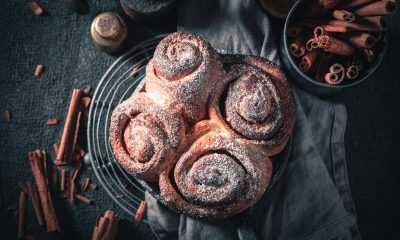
x=116 y=85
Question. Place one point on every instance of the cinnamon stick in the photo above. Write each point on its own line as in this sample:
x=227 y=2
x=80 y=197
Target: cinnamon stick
x=294 y=30
x=21 y=214
x=335 y=75
x=335 y=45
x=56 y=147
x=83 y=199
x=376 y=23
x=353 y=3
x=35 y=8
x=37 y=161
x=63 y=179
x=106 y=226
x=7 y=116
x=352 y=72
x=93 y=185
x=85 y=184
x=68 y=138
x=35 y=202
x=140 y=211
x=308 y=60
x=71 y=190
x=311 y=44
x=52 y=121
x=39 y=70
x=369 y=54
x=344 y=15
x=361 y=40
x=382 y=7
x=297 y=47
x=87 y=90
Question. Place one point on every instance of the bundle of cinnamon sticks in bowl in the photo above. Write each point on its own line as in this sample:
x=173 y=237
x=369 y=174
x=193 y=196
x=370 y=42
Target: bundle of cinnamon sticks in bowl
x=331 y=45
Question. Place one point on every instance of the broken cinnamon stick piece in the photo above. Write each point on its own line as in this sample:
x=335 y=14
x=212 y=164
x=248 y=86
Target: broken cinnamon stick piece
x=140 y=211
x=63 y=179
x=37 y=160
x=297 y=47
x=35 y=8
x=106 y=226
x=68 y=139
x=85 y=184
x=83 y=199
x=344 y=15
x=378 y=8
x=35 y=202
x=87 y=90
x=52 y=121
x=56 y=146
x=7 y=116
x=93 y=185
x=21 y=214
x=39 y=70
x=24 y=188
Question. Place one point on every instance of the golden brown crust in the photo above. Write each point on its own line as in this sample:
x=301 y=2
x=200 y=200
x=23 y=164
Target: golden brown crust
x=254 y=103
x=182 y=74
x=144 y=136
x=216 y=178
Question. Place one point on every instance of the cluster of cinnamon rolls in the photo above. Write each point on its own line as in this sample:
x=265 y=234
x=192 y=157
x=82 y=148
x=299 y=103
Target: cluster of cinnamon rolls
x=204 y=127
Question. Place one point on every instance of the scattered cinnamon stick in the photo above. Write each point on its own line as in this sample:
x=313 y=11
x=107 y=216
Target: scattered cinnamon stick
x=35 y=8
x=35 y=202
x=52 y=121
x=7 y=116
x=87 y=90
x=21 y=214
x=382 y=7
x=335 y=75
x=140 y=211
x=83 y=199
x=38 y=163
x=63 y=179
x=93 y=185
x=106 y=226
x=71 y=190
x=61 y=101
x=39 y=70
x=85 y=184
x=24 y=188
x=344 y=15
x=68 y=139
x=56 y=146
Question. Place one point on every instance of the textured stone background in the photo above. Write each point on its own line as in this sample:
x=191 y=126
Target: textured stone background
x=61 y=41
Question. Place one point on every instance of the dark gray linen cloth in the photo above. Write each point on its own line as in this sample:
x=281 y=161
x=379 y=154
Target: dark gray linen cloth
x=312 y=200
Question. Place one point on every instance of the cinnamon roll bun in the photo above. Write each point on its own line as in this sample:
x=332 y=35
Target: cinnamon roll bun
x=145 y=137
x=182 y=74
x=254 y=103
x=216 y=178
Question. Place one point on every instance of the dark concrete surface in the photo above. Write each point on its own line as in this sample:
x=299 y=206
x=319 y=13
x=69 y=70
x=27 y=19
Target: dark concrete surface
x=61 y=41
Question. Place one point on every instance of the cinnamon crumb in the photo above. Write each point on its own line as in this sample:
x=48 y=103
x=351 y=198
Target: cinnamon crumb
x=36 y=8
x=7 y=116
x=39 y=70
x=52 y=121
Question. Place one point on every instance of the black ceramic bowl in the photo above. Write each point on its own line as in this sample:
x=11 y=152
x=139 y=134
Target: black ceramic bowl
x=306 y=82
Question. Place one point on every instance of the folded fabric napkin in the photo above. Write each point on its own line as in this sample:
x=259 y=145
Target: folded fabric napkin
x=312 y=200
